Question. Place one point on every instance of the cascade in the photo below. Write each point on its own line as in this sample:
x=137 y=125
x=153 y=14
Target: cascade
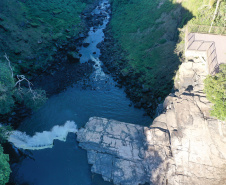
x=42 y=140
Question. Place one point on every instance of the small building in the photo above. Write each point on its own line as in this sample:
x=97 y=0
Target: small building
x=211 y=49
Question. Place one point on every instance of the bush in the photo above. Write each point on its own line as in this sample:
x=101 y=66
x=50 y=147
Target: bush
x=4 y=167
x=6 y=89
x=215 y=89
x=33 y=99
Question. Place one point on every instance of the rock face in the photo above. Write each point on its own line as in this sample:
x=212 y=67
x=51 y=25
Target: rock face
x=183 y=146
x=125 y=153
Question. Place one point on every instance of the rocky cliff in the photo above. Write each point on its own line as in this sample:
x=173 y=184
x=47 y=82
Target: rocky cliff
x=184 y=145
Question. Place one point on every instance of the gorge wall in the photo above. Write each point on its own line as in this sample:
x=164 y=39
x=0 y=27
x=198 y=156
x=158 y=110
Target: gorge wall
x=184 y=145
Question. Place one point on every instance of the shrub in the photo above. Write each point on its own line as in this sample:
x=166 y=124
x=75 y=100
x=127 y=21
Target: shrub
x=215 y=89
x=4 y=167
x=32 y=99
x=6 y=89
x=9 y=93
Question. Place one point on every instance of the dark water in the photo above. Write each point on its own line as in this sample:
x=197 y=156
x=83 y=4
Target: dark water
x=66 y=163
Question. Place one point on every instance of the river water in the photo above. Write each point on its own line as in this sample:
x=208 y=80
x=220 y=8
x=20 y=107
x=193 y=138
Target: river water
x=62 y=162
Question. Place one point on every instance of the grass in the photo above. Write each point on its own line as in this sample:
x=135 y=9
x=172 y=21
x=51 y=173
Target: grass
x=147 y=32
x=203 y=12
x=29 y=29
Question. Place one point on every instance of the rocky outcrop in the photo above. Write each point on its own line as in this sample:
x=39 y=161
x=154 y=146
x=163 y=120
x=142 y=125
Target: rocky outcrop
x=184 y=145
x=125 y=153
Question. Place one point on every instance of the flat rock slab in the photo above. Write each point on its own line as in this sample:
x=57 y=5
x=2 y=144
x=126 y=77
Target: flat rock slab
x=125 y=153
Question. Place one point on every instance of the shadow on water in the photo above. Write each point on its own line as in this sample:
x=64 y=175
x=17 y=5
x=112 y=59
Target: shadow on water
x=147 y=37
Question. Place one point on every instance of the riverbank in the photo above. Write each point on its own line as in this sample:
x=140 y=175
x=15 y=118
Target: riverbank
x=31 y=32
x=99 y=96
x=59 y=72
x=139 y=49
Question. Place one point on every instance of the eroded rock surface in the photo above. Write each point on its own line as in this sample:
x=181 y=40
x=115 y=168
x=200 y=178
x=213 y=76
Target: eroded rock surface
x=125 y=153
x=183 y=146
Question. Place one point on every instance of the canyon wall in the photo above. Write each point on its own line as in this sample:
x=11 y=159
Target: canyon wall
x=183 y=145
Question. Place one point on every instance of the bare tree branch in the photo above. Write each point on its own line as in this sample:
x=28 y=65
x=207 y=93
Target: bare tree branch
x=7 y=58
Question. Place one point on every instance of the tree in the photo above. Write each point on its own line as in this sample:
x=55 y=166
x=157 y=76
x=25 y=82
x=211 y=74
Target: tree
x=4 y=158
x=4 y=167
x=18 y=89
x=6 y=86
x=215 y=89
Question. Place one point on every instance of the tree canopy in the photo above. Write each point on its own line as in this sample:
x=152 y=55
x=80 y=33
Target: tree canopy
x=215 y=89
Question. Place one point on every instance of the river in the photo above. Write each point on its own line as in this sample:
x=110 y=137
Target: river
x=62 y=162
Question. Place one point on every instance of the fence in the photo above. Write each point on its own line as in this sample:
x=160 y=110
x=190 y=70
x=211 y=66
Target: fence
x=216 y=30
x=212 y=62
x=211 y=55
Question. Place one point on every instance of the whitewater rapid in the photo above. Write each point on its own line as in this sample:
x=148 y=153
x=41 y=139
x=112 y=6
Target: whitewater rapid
x=42 y=140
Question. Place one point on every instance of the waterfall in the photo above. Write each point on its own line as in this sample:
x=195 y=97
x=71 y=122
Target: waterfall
x=42 y=140
x=99 y=74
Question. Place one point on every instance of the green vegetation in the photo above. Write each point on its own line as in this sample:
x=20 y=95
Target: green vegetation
x=29 y=32
x=10 y=92
x=147 y=32
x=215 y=89
x=6 y=89
x=29 y=29
x=4 y=167
x=203 y=12
x=4 y=158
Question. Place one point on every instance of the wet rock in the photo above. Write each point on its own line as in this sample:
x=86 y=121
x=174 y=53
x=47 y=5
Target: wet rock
x=81 y=35
x=145 y=90
x=73 y=57
x=138 y=105
x=149 y=105
x=86 y=44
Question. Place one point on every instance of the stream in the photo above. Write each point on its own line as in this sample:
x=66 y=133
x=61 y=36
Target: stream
x=49 y=136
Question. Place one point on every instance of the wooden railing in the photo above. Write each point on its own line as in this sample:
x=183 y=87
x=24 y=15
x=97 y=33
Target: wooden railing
x=212 y=62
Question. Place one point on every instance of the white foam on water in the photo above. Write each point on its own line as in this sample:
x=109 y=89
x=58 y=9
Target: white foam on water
x=99 y=74
x=42 y=140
